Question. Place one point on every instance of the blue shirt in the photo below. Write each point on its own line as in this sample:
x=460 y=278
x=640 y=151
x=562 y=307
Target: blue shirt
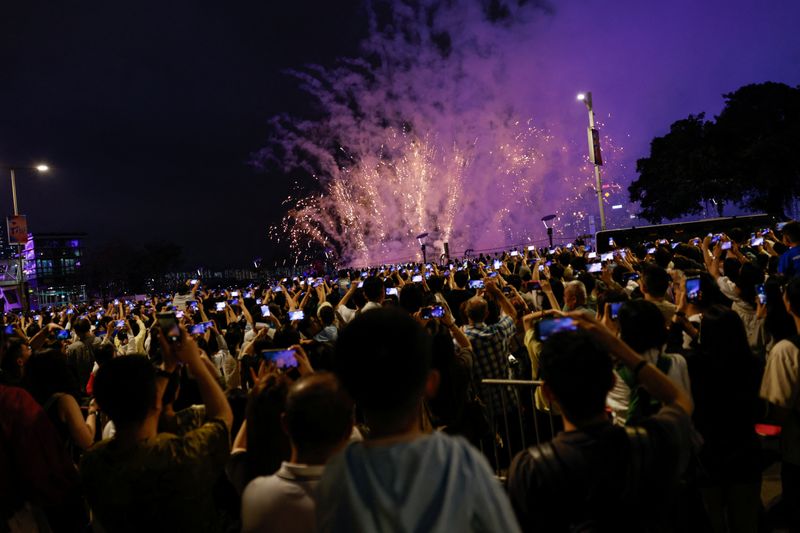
x=435 y=483
x=789 y=263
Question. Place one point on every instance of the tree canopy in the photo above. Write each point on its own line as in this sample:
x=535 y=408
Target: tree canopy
x=746 y=156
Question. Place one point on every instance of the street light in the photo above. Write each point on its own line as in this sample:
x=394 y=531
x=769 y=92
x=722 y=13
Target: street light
x=41 y=167
x=421 y=239
x=594 y=154
x=545 y=220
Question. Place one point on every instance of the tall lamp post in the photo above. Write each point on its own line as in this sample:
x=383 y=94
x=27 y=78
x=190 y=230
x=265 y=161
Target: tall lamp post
x=421 y=239
x=594 y=155
x=546 y=221
x=23 y=301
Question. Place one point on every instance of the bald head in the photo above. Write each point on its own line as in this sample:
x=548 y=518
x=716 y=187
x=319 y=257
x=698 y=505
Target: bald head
x=477 y=309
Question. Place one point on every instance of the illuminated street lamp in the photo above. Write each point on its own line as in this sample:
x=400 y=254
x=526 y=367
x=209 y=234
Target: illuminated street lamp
x=22 y=227
x=594 y=154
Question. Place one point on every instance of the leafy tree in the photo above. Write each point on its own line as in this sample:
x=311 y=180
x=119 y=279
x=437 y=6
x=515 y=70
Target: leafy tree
x=744 y=157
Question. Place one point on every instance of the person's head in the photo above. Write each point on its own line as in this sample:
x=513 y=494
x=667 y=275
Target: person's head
x=791 y=233
x=655 y=281
x=82 y=327
x=47 y=373
x=326 y=314
x=460 y=278
x=13 y=359
x=574 y=295
x=749 y=276
x=125 y=389
x=411 y=297
x=722 y=335
x=373 y=289
x=577 y=374
x=476 y=309
x=791 y=298
x=383 y=359
x=318 y=417
x=641 y=325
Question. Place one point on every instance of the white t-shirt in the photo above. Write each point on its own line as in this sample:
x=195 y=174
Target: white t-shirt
x=781 y=386
x=283 y=502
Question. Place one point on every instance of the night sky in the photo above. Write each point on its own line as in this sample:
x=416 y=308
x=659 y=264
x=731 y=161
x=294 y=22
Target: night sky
x=148 y=111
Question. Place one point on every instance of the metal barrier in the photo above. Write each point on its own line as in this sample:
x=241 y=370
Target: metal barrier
x=517 y=400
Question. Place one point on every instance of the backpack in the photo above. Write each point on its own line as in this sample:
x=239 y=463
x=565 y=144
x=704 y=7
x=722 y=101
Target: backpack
x=641 y=404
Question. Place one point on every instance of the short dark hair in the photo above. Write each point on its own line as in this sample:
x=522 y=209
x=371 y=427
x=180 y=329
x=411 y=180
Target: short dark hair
x=125 y=388
x=382 y=359
x=373 y=288
x=460 y=278
x=319 y=413
x=326 y=315
x=656 y=280
x=641 y=325
x=792 y=231
x=579 y=373
x=82 y=326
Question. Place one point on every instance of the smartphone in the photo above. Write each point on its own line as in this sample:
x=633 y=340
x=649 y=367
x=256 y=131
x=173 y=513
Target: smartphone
x=594 y=268
x=693 y=289
x=220 y=306
x=179 y=314
x=417 y=279
x=193 y=281
x=283 y=359
x=436 y=311
x=492 y=274
x=62 y=335
x=611 y=242
x=607 y=257
x=534 y=286
x=497 y=264
x=757 y=241
x=549 y=326
x=514 y=253
x=296 y=315
x=277 y=288
x=591 y=255
x=120 y=324
x=70 y=311
x=360 y=284
x=726 y=245
x=235 y=301
x=391 y=291
x=234 y=293
x=630 y=276
x=476 y=284
x=168 y=324
x=264 y=310
x=761 y=294
x=37 y=318
x=615 y=309
x=531 y=248
x=780 y=225
x=199 y=329
x=9 y=329
x=116 y=302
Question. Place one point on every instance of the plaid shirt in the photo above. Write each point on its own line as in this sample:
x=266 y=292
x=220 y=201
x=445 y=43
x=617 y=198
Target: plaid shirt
x=490 y=343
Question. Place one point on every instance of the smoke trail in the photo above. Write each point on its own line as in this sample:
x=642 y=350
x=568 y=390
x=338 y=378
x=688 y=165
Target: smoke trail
x=424 y=133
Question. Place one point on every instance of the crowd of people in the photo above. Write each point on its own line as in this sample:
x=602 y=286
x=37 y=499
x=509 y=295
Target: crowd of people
x=355 y=400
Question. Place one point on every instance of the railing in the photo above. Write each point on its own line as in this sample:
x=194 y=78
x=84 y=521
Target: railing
x=518 y=399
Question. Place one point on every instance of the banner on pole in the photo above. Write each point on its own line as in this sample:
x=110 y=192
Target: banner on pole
x=17 y=229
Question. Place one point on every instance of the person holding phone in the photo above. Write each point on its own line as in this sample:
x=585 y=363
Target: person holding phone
x=490 y=342
x=789 y=262
x=141 y=477
x=593 y=470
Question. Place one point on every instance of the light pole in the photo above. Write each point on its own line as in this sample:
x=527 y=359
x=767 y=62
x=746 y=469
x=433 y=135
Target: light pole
x=23 y=301
x=421 y=240
x=594 y=155
x=545 y=220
